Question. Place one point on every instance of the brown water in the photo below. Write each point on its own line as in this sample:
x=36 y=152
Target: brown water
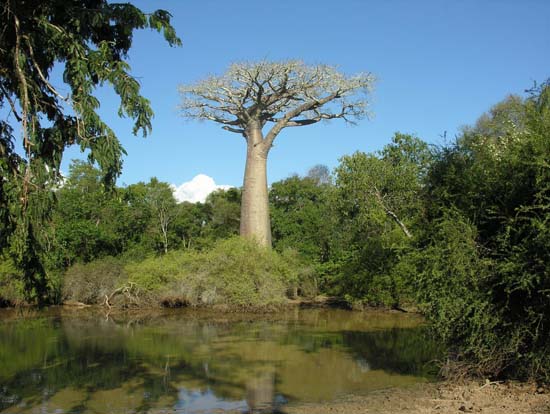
x=189 y=362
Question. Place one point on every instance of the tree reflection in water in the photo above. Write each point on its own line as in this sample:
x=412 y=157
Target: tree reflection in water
x=189 y=362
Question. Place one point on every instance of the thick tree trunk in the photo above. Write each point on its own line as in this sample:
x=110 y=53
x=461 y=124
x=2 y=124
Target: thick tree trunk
x=255 y=221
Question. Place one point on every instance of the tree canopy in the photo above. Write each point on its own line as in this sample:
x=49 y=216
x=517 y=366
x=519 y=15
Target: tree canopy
x=286 y=94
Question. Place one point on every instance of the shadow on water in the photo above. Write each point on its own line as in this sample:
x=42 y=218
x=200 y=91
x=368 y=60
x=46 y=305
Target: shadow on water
x=190 y=363
x=398 y=350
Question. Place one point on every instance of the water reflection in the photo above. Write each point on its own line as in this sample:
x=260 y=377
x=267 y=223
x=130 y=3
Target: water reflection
x=196 y=402
x=189 y=362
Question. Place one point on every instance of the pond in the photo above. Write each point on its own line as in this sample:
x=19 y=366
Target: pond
x=189 y=362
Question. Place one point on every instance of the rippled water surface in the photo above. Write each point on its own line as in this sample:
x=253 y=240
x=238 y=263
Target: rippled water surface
x=187 y=362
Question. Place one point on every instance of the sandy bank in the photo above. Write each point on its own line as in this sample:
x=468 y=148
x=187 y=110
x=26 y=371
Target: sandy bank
x=472 y=397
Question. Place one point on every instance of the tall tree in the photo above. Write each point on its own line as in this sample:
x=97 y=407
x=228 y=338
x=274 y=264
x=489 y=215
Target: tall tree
x=160 y=198
x=223 y=213
x=87 y=220
x=250 y=96
x=91 y=39
x=301 y=215
x=377 y=204
x=388 y=182
x=156 y=198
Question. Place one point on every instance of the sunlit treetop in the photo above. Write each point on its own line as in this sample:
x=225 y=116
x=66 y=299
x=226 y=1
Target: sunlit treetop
x=288 y=93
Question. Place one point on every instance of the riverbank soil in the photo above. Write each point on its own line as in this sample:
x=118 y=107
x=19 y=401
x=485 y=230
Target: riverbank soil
x=472 y=397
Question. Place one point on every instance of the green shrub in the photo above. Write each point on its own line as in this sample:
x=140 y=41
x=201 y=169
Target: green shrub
x=11 y=285
x=302 y=278
x=156 y=272
x=235 y=272
x=370 y=276
x=473 y=306
x=91 y=282
x=450 y=290
x=484 y=261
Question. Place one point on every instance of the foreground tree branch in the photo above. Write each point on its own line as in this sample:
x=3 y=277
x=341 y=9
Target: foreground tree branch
x=92 y=39
x=259 y=100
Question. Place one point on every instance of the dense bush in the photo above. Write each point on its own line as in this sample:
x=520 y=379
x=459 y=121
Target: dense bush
x=14 y=292
x=484 y=261
x=11 y=285
x=450 y=284
x=376 y=203
x=235 y=272
x=91 y=282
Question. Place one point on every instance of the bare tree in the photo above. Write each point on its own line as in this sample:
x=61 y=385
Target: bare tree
x=250 y=96
x=320 y=174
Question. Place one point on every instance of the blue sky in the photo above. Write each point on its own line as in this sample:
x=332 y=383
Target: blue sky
x=440 y=65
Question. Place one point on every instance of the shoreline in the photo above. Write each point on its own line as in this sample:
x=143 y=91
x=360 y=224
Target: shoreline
x=439 y=398
x=318 y=302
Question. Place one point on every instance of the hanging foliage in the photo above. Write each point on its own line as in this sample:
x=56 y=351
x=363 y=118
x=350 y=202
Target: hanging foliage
x=89 y=41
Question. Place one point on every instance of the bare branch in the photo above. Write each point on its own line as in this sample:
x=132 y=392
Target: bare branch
x=319 y=117
x=390 y=213
x=12 y=104
x=302 y=122
x=284 y=93
x=221 y=120
x=283 y=122
x=236 y=130
x=41 y=75
x=24 y=91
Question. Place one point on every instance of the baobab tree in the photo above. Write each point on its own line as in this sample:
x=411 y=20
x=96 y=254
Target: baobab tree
x=259 y=100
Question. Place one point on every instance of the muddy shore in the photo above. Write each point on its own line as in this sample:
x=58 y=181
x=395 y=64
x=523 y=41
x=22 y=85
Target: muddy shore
x=471 y=397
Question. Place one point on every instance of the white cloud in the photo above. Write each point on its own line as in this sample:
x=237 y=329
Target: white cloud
x=197 y=189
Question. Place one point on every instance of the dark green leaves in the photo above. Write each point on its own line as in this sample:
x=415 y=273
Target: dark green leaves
x=91 y=39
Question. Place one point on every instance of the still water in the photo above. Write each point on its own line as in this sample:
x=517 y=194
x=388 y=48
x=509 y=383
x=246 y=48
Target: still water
x=188 y=362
